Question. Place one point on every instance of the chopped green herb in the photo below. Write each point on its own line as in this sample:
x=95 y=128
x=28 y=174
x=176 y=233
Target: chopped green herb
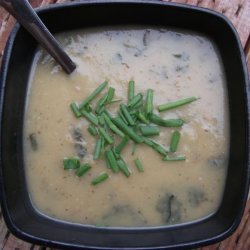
x=131 y=90
x=71 y=163
x=174 y=158
x=101 y=120
x=156 y=146
x=139 y=165
x=133 y=148
x=135 y=100
x=112 y=126
x=142 y=118
x=149 y=102
x=106 y=136
x=107 y=160
x=98 y=149
x=165 y=123
x=148 y=142
x=75 y=110
x=91 y=117
x=121 y=145
x=117 y=156
x=83 y=169
x=150 y=130
x=175 y=138
x=108 y=114
x=176 y=104
x=160 y=149
x=123 y=167
x=122 y=117
x=100 y=104
x=112 y=161
x=113 y=101
x=127 y=130
x=100 y=110
x=106 y=99
x=104 y=143
x=100 y=178
x=88 y=107
x=92 y=130
x=138 y=105
x=132 y=123
x=97 y=91
x=132 y=112
x=111 y=93
x=127 y=115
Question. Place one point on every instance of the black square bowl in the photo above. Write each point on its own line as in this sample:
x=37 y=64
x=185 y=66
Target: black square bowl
x=27 y=223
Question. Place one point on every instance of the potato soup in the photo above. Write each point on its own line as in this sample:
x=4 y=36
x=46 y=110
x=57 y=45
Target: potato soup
x=175 y=65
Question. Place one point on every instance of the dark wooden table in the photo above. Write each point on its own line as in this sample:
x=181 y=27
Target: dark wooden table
x=238 y=11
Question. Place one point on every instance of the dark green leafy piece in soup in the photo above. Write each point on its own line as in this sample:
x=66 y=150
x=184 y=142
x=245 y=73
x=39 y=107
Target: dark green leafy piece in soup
x=170 y=208
x=124 y=213
x=80 y=150
x=196 y=196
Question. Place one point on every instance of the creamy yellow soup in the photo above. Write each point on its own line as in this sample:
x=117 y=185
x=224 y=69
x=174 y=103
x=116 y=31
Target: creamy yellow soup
x=175 y=64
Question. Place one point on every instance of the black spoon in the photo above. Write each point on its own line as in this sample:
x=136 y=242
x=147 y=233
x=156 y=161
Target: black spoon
x=24 y=13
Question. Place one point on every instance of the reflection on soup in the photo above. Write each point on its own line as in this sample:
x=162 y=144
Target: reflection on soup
x=175 y=65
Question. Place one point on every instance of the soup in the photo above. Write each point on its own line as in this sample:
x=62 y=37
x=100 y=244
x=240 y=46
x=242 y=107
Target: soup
x=175 y=65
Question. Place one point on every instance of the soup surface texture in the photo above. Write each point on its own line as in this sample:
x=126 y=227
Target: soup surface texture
x=174 y=64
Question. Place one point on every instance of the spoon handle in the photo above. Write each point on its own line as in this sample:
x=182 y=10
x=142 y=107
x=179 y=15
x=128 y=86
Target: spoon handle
x=24 y=13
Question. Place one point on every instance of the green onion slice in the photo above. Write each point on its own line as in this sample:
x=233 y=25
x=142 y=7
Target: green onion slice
x=71 y=163
x=176 y=104
x=75 y=110
x=150 y=130
x=175 y=138
x=165 y=123
x=123 y=167
x=139 y=165
x=97 y=91
x=100 y=178
x=149 y=102
x=98 y=149
x=127 y=130
x=174 y=158
x=131 y=90
x=83 y=169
